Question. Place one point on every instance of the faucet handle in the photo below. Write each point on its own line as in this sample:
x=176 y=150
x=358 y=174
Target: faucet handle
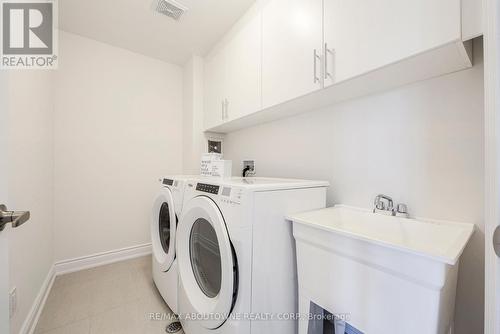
x=402 y=210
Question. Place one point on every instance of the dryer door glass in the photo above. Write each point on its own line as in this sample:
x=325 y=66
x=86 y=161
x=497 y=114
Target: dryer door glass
x=205 y=257
x=164 y=222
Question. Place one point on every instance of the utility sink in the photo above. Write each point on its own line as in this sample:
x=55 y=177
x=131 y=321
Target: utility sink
x=383 y=274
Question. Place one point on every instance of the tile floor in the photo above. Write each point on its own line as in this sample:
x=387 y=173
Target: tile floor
x=115 y=298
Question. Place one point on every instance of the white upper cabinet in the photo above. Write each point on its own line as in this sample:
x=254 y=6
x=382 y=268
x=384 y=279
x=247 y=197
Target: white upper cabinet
x=292 y=31
x=361 y=36
x=243 y=63
x=472 y=19
x=285 y=57
x=215 y=88
x=233 y=75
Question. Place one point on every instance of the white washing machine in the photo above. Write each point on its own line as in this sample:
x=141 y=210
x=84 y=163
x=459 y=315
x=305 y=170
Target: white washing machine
x=236 y=254
x=167 y=209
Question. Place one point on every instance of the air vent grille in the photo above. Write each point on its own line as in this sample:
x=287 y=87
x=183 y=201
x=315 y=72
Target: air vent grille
x=170 y=8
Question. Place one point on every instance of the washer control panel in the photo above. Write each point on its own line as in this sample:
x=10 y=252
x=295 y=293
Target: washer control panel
x=208 y=188
x=232 y=195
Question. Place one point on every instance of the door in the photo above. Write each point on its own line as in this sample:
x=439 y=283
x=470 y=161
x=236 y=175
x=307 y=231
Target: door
x=8 y=219
x=4 y=283
x=292 y=40
x=207 y=263
x=215 y=88
x=243 y=54
x=361 y=36
x=163 y=229
x=491 y=12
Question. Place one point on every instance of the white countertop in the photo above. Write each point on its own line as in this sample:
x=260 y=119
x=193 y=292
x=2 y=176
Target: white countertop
x=443 y=241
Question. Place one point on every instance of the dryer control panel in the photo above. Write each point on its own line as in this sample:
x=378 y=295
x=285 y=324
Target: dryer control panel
x=168 y=182
x=208 y=188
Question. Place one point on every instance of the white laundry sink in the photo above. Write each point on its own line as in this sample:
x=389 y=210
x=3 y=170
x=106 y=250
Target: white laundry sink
x=383 y=274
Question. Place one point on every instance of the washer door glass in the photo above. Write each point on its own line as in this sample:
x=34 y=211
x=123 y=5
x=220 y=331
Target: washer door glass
x=163 y=230
x=205 y=257
x=164 y=226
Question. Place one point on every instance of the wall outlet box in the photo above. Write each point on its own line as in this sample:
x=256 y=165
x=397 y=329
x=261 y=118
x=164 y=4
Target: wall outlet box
x=214 y=146
x=12 y=302
x=215 y=142
x=248 y=163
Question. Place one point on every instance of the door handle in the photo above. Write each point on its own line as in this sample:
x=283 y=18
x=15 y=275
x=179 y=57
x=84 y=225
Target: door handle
x=496 y=241
x=17 y=218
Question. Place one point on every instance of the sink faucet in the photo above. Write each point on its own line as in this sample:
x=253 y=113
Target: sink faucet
x=385 y=204
x=380 y=204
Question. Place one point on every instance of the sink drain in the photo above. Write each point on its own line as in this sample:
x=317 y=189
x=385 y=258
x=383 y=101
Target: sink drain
x=174 y=327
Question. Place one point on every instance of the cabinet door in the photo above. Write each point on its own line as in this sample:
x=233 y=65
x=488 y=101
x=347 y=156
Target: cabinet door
x=366 y=35
x=291 y=31
x=215 y=81
x=243 y=53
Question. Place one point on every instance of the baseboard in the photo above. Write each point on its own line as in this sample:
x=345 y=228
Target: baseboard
x=99 y=259
x=37 y=307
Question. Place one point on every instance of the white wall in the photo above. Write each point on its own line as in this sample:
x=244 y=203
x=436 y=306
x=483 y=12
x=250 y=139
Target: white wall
x=421 y=144
x=118 y=124
x=30 y=168
x=193 y=137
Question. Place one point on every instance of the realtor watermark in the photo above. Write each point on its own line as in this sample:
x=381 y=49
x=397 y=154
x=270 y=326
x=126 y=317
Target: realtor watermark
x=236 y=316
x=29 y=34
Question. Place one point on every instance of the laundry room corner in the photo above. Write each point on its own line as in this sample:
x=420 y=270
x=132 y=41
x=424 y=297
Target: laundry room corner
x=193 y=138
x=111 y=147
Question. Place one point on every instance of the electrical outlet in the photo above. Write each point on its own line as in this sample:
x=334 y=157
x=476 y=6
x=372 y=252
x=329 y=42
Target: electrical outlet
x=13 y=302
x=249 y=167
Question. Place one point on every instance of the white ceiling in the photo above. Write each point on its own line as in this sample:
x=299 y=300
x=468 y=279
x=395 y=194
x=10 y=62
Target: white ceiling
x=133 y=25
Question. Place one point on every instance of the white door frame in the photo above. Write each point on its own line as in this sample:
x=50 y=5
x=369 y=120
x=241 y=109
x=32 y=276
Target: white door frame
x=491 y=14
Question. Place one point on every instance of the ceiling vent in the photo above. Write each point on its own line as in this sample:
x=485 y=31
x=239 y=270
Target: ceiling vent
x=169 y=8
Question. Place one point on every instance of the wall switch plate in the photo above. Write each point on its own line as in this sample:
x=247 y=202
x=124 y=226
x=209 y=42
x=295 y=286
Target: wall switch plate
x=12 y=302
x=250 y=164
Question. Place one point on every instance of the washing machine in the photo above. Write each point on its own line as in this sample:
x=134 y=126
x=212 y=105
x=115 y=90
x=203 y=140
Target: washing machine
x=167 y=209
x=236 y=254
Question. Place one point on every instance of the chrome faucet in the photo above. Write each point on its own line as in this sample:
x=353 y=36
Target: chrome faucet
x=384 y=204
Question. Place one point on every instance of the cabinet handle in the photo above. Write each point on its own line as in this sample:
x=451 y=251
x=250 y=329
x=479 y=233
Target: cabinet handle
x=222 y=109
x=328 y=51
x=316 y=57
